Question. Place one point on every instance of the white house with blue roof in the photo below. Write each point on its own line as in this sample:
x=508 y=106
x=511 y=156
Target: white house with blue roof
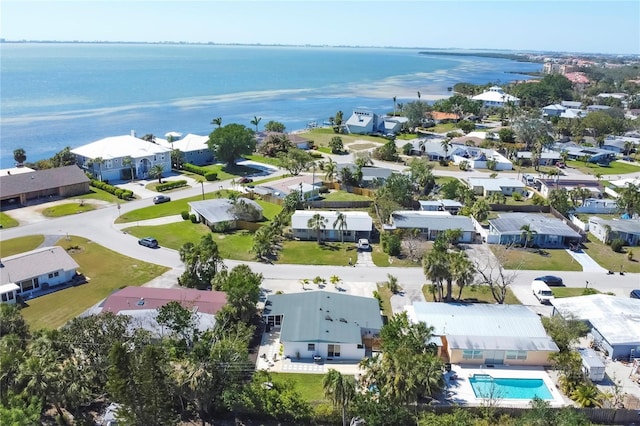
x=330 y=325
x=482 y=334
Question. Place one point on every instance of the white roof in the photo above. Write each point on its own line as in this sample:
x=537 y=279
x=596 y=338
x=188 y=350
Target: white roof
x=118 y=147
x=617 y=319
x=189 y=143
x=495 y=184
x=148 y=320
x=34 y=263
x=173 y=135
x=6 y=288
x=495 y=96
x=356 y=221
x=15 y=171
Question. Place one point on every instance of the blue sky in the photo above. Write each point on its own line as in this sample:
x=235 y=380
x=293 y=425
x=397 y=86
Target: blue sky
x=560 y=25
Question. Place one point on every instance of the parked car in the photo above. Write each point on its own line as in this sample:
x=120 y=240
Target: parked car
x=550 y=280
x=635 y=294
x=245 y=179
x=159 y=199
x=542 y=292
x=363 y=244
x=560 y=165
x=148 y=242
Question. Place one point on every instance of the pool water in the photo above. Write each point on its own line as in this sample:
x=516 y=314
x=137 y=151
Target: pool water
x=485 y=386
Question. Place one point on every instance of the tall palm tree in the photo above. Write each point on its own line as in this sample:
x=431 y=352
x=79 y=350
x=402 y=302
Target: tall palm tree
x=19 y=155
x=394 y=105
x=330 y=170
x=317 y=223
x=341 y=390
x=341 y=224
x=128 y=161
x=156 y=172
x=99 y=161
x=446 y=144
x=217 y=121
x=527 y=234
x=462 y=269
x=256 y=121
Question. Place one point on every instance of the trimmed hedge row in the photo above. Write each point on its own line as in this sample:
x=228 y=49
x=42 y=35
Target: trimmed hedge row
x=123 y=194
x=208 y=174
x=170 y=185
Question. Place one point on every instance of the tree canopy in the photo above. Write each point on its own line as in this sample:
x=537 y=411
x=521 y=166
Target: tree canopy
x=230 y=142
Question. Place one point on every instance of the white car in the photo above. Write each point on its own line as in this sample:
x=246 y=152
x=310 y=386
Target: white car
x=363 y=244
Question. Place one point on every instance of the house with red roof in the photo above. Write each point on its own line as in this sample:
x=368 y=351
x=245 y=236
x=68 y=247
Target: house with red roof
x=139 y=298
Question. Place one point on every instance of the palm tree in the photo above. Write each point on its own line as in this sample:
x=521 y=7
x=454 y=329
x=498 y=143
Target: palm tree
x=128 y=161
x=317 y=223
x=156 y=172
x=627 y=147
x=217 y=121
x=394 y=105
x=19 y=155
x=341 y=224
x=99 y=161
x=527 y=234
x=341 y=390
x=587 y=395
x=446 y=144
x=256 y=121
x=462 y=270
x=330 y=170
x=335 y=280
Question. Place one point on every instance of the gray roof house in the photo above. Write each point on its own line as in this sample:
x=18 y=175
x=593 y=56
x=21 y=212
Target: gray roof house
x=553 y=110
x=64 y=181
x=571 y=104
x=38 y=270
x=547 y=158
x=358 y=225
x=626 y=229
x=486 y=334
x=488 y=186
x=195 y=148
x=223 y=210
x=614 y=321
x=548 y=232
x=331 y=325
x=431 y=223
x=451 y=206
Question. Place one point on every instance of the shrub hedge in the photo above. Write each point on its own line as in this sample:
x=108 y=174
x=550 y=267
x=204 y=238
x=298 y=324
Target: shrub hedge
x=170 y=185
x=123 y=194
x=208 y=174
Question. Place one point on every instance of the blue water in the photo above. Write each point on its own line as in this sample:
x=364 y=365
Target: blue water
x=487 y=387
x=57 y=95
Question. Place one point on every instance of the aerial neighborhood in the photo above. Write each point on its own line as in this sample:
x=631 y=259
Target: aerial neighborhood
x=481 y=250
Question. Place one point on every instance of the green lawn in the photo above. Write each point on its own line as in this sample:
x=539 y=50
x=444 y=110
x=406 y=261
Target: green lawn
x=7 y=221
x=443 y=128
x=344 y=196
x=385 y=295
x=20 y=245
x=555 y=260
x=309 y=386
x=321 y=137
x=107 y=271
x=262 y=159
x=609 y=259
x=270 y=179
x=383 y=260
x=224 y=172
x=560 y=292
x=235 y=245
x=615 y=168
x=312 y=253
x=68 y=209
x=475 y=293
x=99 y=194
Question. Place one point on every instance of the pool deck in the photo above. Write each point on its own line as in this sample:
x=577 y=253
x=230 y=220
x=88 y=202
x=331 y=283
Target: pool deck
x=459 y=391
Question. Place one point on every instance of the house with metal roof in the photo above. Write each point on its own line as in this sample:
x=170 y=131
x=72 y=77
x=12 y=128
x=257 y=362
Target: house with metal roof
x=431 y=223
x=64 y=181
x=482 y=334
x=479 y=158
x=364 y=122
x=619 y=144
x=307 y=185
x=614 y=321
x=571 y=104
x=488 y=186
x=617 y=185
x=37 y=270
x=451 y=206
x=223 y=210
x=607 y=230
x=194 y=147
x=579 y=152
x=331 y=325
x=547 y=158
x=553 y=110
x=496 y=97
x=113 y=150
x=545 y=186
x=358 y=225
x=547 y=232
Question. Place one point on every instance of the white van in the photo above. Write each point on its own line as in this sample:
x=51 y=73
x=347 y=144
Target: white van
x=542 y=291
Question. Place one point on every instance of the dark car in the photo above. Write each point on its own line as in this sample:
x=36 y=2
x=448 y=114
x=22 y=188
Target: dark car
x=550 y=280
x=148 y=242
x=245 y=179
x=635 y=294
x=159 y=199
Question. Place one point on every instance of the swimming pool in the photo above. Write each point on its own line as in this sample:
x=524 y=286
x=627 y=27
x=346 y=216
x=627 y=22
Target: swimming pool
x=485 y=386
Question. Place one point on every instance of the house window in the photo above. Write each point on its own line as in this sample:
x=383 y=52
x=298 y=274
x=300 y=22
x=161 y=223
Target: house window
x=311 y=347
x=4 y=296
x=333 y=351
x=522 y=355
x=54 y=274
x=108 y=164
x=360 y=346
x=471 y=354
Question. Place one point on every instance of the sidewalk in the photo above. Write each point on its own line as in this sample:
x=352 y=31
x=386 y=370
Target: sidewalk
x=587 y=263
x=150 y=222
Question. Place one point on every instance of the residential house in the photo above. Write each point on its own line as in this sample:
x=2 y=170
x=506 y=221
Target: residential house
x=64 y=181
x=486 y=334
x=330 y=325
x=496 y=97
x=553 y=110
x=479 y=158
x=15 y=171
x=431 y=223
x=614 y=322
x=595 y=108
x=597 y=206
x=619 y=144
x=430 y=148
x=358 y=225
x=582 y=153
x=223 y=211
x=444 y=117
x=488 y=186
x=607 y=230
x=113 y=150
x=547 y=158
x=364 y=122
x=37 y=270
x=546 y=232
x=194 y=147
x=307 y=185
x=451 y=206
x=573 y=113
x=617 y=185
x=545 y=186
x=571 y=104
x=9 y=292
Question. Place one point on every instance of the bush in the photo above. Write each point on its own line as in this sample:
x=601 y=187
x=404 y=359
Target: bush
x=538 y=200
x=617 y=244
x=517 y=196
x=407 y=148
x=120 y=193
x=185 y=215
x=464 y=165
x=221 y=227
x=195 y=169
x=171 y=185
x=194 y=218
x=324 y=189
x=211 y=176
x=391 y=244
x=444 y=162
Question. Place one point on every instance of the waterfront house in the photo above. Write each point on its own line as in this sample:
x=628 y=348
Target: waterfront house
x=496 y=97
x=358 y=225
x=365 y=122
x=546 y=232
x=194 y=147
x=323 y=324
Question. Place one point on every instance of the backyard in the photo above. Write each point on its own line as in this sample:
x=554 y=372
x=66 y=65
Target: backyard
x=308 y=385
x=533 y=259
x=106 y=270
